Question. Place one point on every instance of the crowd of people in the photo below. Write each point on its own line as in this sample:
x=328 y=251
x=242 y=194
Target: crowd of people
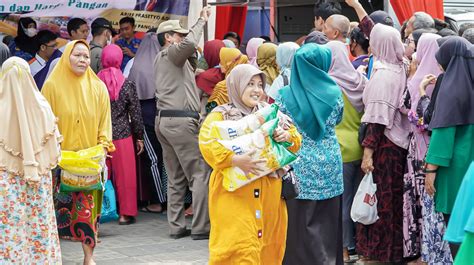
x=354 y=98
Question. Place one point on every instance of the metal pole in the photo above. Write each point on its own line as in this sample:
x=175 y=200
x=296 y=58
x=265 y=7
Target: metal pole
x=386 y=6
x=206 y=29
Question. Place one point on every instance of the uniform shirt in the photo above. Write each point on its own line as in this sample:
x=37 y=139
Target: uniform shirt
x=36 y=64
x=175 y=81
x=96 y=55
x=132 y=45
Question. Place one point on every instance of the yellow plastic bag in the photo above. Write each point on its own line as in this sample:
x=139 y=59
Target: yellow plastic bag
x=275 y=154
x=87 y=162
x=228 y=129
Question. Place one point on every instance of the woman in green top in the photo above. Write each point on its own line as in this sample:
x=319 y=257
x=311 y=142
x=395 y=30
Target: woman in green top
x=451 y=148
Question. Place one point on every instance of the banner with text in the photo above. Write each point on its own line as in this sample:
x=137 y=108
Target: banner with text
x=64 y=8
x=54 y=15
x=150 y=13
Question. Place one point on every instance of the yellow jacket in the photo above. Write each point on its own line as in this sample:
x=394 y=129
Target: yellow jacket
x=248 y=226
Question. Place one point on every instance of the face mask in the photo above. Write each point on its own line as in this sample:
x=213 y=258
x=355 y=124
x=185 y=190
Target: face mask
x=109 y=41
x=31 y=32
x=348 y=41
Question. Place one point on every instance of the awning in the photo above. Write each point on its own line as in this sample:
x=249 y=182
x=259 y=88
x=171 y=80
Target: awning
x=404 y=9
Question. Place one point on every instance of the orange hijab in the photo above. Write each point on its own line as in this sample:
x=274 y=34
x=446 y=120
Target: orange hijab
x=230 y=58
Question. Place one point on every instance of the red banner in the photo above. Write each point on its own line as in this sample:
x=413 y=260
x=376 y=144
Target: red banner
x=404 y=9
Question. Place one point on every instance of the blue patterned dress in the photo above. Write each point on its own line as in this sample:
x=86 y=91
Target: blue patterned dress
x=319 y=164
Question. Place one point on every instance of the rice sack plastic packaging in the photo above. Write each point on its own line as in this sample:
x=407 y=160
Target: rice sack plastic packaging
x=85 y=162
x=228 y=130
x=275 y=154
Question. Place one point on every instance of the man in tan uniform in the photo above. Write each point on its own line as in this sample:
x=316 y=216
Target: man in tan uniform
x=177 y=125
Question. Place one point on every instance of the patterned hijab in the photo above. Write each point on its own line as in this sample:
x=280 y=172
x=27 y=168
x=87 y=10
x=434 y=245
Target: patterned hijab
x=30 y=146
x=266 y=60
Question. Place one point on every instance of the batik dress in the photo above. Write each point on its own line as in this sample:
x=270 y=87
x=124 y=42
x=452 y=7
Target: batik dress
x=382 y=240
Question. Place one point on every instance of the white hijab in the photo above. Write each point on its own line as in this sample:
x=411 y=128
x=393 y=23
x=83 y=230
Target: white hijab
x=29 y=146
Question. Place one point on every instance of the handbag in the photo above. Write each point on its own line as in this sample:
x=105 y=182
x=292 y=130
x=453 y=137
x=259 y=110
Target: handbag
x=362 y=132
x=290 y=187
x=109 y=204
x=364 y=206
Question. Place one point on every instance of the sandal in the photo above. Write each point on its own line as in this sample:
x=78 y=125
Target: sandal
x=147 y=210
x=131 y=220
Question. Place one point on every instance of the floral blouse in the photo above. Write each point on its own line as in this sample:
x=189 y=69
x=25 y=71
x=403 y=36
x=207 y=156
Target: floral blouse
x=126 y=113
x=319 y=166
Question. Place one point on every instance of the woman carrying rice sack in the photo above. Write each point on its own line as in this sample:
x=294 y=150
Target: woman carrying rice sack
x=249 y=224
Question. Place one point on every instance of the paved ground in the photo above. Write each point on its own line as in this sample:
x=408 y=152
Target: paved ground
x=145 y=242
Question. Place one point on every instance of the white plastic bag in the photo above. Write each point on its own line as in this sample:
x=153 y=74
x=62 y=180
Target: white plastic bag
x=364 y=206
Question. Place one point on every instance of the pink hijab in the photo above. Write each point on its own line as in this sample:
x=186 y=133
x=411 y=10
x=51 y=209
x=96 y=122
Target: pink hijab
x=252 y=48
x=113 y=78
x=351 y=82
x=383 y=93
x=427 y=64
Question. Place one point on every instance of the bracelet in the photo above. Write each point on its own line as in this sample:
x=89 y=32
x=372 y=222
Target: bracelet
x=429 y=171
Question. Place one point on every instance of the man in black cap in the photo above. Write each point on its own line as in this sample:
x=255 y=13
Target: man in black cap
x=102 y=33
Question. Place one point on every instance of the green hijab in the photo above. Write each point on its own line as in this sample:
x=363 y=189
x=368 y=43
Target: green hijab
x=312 y=94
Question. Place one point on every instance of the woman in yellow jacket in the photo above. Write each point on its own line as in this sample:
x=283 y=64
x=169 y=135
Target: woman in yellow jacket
x=248 y=225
